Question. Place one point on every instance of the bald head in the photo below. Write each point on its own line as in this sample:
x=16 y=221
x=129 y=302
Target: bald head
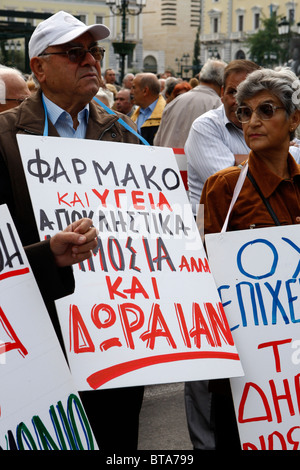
x=13 y=88
x=145 y=89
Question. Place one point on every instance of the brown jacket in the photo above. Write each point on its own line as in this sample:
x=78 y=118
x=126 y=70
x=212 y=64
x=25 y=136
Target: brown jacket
x=249 y=210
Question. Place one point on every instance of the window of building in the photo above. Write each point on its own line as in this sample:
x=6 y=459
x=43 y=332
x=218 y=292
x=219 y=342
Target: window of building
x=215 y=25
x=241 y=23
x=291 y=15
x=82 y=18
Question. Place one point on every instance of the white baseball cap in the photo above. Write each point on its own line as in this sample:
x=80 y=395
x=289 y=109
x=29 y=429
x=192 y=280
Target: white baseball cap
x=60 y=29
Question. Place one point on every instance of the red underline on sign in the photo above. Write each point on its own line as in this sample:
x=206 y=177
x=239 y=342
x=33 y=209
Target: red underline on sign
x=105 y=375
x=17 y=272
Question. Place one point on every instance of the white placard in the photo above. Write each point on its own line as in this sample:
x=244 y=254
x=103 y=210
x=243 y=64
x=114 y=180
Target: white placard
x=257 y=274
x=146 y=309
x=40 y=408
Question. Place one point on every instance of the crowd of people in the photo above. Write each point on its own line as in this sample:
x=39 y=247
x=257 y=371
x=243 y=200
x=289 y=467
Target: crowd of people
x=230 y=115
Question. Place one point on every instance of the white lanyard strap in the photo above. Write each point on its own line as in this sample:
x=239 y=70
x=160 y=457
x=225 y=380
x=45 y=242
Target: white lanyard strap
x=237 y=190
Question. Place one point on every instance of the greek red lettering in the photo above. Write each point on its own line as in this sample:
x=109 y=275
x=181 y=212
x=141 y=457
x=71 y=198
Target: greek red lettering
x=194 y=265
x=108 y=320
x=61 y=199
x=104 y=316
x=136 y=288
x=130 y=327
x=290 y=438
x=82 y=342
x=109 y=312
x=286 y=396
x=117 y=192
x=102 y=197
x=200 y=327
x=182 y=325
x=250 y=386
x=297 y=389
x=280 y=438
x=151 y=200
x=274 y=345
x=155 y=288
x=275 y=441
x=15 y=341
x=138 y=202
x=162 y=201
x=76 y=200
x=113 y=288
x=218 y=323
x=157 y=318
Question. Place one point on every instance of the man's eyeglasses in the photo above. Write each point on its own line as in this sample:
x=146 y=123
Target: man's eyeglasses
x=264 y=111
x=77 y=54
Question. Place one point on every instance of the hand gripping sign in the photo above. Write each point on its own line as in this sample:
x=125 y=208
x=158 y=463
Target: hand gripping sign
x=145 y=308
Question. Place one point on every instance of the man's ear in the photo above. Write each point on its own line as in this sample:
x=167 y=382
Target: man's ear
x=37 y=67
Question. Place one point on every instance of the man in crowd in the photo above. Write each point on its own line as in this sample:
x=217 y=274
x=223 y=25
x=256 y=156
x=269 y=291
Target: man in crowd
x=146 y=94
x=216 y=138
x=13 y=88
x=124 y=102
x=180 y=113
x=128 y=81
x=65 y=59
x=110 y=78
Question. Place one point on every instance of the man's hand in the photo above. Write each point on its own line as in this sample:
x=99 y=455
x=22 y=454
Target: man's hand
x=75 y=243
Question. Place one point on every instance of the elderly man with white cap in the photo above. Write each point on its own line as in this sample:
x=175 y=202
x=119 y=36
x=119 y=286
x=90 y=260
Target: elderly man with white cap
x=65 y=60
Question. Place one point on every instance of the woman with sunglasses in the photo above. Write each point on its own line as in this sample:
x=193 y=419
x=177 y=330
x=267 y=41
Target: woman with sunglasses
x=268 y=108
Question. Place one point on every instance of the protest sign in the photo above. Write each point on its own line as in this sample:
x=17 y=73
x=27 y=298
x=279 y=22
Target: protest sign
x=257 y=274
x=39 y=405
x=146 y=308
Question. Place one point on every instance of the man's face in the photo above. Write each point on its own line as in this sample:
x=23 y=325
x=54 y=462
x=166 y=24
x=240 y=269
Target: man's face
x=137 y=92
x=66 y=83
x=123 y=102
x=128 y=81
x=16 y=91
x=110 y=76
x=228 y=96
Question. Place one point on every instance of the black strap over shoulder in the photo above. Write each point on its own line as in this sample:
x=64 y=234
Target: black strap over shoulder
x=267 y=204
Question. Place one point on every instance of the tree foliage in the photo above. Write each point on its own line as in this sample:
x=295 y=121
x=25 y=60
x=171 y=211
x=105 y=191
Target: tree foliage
x=196 y=62
x=265 y=46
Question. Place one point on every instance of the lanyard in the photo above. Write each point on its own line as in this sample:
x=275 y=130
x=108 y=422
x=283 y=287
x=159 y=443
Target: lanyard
x=236 y=193
x=45 y=133
x=123 y=123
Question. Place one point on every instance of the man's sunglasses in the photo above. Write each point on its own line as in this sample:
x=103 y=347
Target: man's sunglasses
x=264 y=111
x=77 y=54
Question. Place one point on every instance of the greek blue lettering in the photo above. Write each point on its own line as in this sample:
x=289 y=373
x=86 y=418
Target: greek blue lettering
x=272 y=268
